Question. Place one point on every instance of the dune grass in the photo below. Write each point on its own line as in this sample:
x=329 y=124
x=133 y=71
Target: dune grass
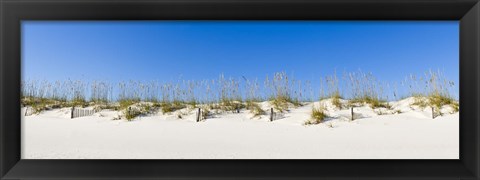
x=139 y=109
x=318 y=115
x=227 y=94
x=255 y=109
x=366 y=89
x=168 y=107
x=332 y=90
x=336 y=100
x=435 y=93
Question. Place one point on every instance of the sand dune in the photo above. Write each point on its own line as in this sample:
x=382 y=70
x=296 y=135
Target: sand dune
x=411 y=134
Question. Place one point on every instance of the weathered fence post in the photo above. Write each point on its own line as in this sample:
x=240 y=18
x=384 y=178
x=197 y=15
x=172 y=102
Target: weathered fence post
x=198 y=114
x=433 y=113
x=71 y=114
x=271 y=114
x=351 y=112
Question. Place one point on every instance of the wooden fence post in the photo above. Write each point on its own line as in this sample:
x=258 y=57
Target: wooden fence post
x=433 y=113
x=198 y=114
x=71 y=114
x=271 y=114
x=351 y=112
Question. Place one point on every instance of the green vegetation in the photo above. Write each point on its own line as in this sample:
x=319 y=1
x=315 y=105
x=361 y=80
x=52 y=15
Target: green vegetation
x=39 y=107
x=255 y=109
x=280 y=104
x=168 y=107
x=206 y=114
x=131 y=113
x=455 y=106
x=139 y=109
x=336 y=100
x=232 y=106
x=366 y=89
x=282 y=93
x=318 y=115
x=125 y=103
x=372 y=102
x=438 y=101
x=333 y=90
x=436 y=92
x=226 y=94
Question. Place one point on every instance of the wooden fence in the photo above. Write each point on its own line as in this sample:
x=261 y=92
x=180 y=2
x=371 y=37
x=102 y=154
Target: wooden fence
x=79 y=112
x=276 y=115
x=199 y=115
x=273 y=115
x=29 y=111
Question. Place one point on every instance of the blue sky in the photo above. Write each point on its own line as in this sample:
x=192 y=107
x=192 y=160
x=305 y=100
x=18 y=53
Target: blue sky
x=167 y=50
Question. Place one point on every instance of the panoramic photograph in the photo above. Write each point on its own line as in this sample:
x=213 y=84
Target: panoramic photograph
x=240 y=90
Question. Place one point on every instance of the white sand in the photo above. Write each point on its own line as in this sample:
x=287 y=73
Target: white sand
x=412 y=134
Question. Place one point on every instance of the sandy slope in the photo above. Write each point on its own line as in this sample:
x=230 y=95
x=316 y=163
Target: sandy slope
x=411 y=135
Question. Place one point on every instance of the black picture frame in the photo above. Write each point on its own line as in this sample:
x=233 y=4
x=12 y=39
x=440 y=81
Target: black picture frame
x=12 y=12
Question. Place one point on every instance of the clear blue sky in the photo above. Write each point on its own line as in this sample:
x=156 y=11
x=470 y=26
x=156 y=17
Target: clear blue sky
x=166 y=50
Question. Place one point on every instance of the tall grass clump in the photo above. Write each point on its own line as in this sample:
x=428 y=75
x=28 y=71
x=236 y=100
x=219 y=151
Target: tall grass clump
x=131 y=113
x=436 y=91
x=101 y=92
x=333 y=90
x=129 y=94
x=255 y=109
x=44 y=95
x=365 y=89
x=150 y=92
x=230 y=94
x=78 y=91
x=139 y=109
x=190 y=93
x=281 y=92
x=252 y=88
x=168 y=107
x=317 y=116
